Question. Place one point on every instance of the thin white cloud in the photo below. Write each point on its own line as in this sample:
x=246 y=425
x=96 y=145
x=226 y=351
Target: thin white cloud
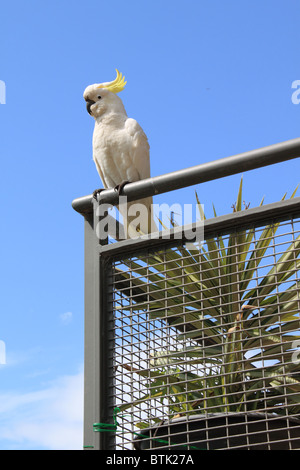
x=45 y=419
x=66 y=318
x=17 y=358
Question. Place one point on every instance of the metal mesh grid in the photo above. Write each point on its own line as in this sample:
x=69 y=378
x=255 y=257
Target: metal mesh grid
x=206 y=343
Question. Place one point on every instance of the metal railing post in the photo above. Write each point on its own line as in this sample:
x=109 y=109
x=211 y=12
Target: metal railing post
x=98 y=402
x=91 y=346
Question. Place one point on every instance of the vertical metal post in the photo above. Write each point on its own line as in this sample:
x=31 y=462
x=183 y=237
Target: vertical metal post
x=97 y=358
x=89 y=334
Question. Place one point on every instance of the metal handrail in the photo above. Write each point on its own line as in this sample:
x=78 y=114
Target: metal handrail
x=202 y=173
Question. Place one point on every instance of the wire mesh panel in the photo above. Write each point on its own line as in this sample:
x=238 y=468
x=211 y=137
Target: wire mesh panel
x=207 y=342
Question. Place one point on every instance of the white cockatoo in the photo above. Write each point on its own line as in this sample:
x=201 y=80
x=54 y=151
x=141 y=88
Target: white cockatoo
x=120 y=151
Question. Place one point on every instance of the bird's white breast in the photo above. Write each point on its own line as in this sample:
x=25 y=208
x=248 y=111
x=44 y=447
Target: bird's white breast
x=112 y=151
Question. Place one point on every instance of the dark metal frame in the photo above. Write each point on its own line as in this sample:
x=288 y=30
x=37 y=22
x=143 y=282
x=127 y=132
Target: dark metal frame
x=98 y=353
x=197 y=174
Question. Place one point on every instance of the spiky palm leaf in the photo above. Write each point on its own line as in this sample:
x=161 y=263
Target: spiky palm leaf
x=210 y=298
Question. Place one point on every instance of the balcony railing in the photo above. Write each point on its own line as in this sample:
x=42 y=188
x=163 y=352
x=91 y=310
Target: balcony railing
x=195 y=346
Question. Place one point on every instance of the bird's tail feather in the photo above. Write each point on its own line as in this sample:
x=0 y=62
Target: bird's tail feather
x=138 y=217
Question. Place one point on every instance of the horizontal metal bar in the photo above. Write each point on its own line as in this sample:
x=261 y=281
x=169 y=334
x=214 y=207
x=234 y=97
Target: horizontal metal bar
x=255 y=217
x=242 y=162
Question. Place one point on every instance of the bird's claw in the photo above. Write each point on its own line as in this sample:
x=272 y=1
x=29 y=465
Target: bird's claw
x=96 y=192
x=120 y=186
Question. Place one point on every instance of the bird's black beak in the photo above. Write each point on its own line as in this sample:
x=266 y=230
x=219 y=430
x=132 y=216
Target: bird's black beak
x=89 y=104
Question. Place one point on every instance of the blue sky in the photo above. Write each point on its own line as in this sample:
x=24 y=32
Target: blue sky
x=205 y=80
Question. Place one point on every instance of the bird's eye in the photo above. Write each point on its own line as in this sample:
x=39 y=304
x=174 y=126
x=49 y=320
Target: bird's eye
x=99 y=97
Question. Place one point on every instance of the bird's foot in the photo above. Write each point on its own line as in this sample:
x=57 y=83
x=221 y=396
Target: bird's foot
x=96 y=192
x=120 y=186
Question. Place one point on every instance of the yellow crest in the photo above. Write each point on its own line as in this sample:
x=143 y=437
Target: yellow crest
x=116 y=85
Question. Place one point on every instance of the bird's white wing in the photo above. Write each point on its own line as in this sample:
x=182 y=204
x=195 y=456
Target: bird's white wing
x=100 y=173
x=140 y=161
x=139 y=148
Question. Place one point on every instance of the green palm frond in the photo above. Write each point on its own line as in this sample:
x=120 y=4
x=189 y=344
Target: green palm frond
x=201 y=294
